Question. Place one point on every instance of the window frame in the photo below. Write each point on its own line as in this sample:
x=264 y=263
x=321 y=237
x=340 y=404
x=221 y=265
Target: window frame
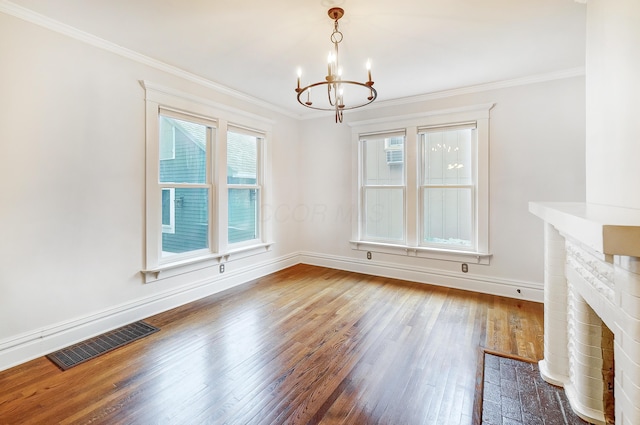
x=208 y=183
x=364 y=187
x=258 y=186
x=412 y=246
x=473 y=186
x=160 y=98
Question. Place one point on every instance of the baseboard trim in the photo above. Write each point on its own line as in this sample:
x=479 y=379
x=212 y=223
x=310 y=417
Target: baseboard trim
x=22 y=348
x=487 y=285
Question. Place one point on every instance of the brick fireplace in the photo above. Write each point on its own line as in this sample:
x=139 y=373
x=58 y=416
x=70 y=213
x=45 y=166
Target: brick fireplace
x=592 y=308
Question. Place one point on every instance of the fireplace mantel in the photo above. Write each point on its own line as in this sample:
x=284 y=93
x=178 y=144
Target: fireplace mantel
x=592 y=282
x=608 y=230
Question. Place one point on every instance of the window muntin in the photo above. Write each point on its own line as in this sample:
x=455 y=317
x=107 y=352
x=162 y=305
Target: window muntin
x=186 y=178
x=383 y=188
x=244 y=185
x=447 y=188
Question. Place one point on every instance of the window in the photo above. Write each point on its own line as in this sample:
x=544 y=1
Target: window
x=205 y=174
x=244 y=185
x=383 y=188
x=447 y=189
x=187 y=179
x=422 y=189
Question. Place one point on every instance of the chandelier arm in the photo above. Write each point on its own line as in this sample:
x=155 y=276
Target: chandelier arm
x=367 y=100
x=332 y=102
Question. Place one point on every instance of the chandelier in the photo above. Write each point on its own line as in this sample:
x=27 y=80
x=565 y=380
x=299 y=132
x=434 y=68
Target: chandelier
x=337 y=89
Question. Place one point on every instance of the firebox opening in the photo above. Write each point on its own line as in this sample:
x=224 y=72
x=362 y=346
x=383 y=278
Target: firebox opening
x=608 y=368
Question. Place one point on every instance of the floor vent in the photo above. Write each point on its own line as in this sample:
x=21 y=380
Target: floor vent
x=96 y=346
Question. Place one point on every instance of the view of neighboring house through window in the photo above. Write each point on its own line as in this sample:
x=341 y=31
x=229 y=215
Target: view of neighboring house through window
x=447 y=187
x=206 y=170
x=168 y=210
x=383 y=187
x=244 y=185
x=184 y=180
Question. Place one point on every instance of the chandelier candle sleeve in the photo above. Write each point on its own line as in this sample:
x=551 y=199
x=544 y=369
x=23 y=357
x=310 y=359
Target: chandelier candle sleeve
x=341 y=94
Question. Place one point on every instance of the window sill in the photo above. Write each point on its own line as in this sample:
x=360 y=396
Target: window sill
x=423 y=252
x=174 y=268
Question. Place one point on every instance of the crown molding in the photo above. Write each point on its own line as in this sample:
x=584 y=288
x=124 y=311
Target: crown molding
x=67 y=30
x=159 y=93
x=479 y=111
x=29 y=15
x=515 y=82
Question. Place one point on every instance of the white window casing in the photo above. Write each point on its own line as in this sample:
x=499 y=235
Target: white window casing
x=474 y=116
x=254 y=189
x=166 y=101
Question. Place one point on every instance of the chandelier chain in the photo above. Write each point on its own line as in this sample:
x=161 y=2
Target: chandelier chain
x=336 y=31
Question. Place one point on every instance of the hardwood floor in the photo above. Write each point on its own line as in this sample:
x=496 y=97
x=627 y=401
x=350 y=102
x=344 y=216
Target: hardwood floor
x=307 y=345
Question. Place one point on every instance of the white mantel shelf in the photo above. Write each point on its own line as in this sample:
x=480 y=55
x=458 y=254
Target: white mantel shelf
x=609 y=230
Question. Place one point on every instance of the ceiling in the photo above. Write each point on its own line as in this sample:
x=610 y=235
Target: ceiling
x=416 y=46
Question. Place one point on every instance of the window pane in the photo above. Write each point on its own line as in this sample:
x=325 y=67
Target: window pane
x=166 y=207
x=446 y=157
x=191 y=226
x=187 y=142
x=383 y=161
x=167 y=141
x=384 y=214
x=243 y=214
x=448 y=216
x=168 y=210
x=242 y=159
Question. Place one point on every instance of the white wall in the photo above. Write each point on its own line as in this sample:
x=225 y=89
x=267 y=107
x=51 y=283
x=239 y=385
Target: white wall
x=72 y=175
x=613 y=90
x=72 y=182
x=536 y=153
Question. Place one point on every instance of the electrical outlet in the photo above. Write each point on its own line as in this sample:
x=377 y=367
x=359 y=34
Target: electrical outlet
x=368 y=255
x=465 y=267
x=221 y=268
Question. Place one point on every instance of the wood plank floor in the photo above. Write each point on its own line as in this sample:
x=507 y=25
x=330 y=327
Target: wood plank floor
x=306 y=345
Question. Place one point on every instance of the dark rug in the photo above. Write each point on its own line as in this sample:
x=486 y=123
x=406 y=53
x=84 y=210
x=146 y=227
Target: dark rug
x=514 y=393
x=101 y=344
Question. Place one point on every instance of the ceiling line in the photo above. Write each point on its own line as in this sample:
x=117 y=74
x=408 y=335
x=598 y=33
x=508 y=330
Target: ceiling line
x=43 y=21
x=29 y=15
